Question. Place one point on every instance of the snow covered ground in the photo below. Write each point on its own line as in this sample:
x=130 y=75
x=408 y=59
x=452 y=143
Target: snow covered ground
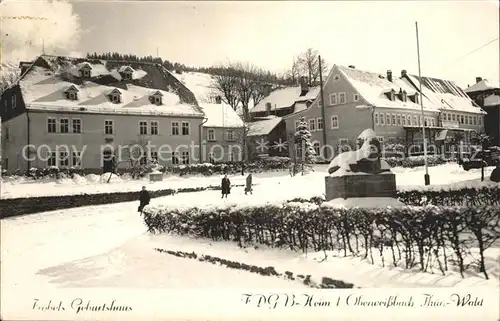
x=107 y=246
x=405 y=177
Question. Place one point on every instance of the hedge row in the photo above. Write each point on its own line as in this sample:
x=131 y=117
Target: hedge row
x=326 y=283
x=414 y=235
x=460 y=197
x=412 y=162
x=11 y=207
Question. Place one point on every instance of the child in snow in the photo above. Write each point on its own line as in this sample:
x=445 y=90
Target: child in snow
x=226 y=186
x=144 y=199
x=248 y=186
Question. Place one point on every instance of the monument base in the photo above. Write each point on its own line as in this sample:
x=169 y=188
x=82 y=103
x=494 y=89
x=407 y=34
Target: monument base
x=355 y=186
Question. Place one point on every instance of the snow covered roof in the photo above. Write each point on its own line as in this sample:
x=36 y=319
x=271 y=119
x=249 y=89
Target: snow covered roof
x=373 y=88
x=200 y=84
x=492 y=100
x=447 y=95
x=279 y=99
x=221 y=115
x=310 y=95
x=483 y=85
x=44 y=89
x=263 y=127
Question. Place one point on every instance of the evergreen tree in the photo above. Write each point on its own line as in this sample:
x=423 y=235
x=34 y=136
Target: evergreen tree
x=304 y=144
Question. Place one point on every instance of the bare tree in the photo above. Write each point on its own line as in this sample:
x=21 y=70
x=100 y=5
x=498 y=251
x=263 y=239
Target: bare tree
x=8 y=75
x=307 y=63
x=136 y=155
x=292 y=74
x=224 y=84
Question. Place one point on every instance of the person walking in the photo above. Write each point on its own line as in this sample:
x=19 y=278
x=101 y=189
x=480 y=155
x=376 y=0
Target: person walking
x=495 y=175
x=225 y=186
x=144 y=199
x=248 y=185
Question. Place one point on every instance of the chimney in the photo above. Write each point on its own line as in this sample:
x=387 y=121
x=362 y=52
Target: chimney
x=478 y=79
x=267 y=89
x=218 y=100
x=304 y=86
x=403 y=73
x=389 y=75
x=352 y=67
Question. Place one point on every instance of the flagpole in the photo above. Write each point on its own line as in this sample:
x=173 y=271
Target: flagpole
x=325 y=156
x=427 y=178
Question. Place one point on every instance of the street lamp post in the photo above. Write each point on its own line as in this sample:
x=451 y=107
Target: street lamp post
x=427 y=178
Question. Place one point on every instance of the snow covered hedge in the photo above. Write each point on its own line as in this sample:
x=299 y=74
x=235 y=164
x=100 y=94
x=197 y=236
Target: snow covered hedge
x=414 y=235
x=268 y=164
x=415 y=161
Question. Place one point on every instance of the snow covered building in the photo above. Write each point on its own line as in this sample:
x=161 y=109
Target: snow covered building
x=391 y=106
x=267 y=136
x=223 y=132
x=284 y=101
x=487 y=95
x=73 y=112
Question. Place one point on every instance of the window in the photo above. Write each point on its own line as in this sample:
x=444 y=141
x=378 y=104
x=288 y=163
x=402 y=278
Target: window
x=211 y=158
x=185 y=158
x=376 y=119
x=175 y=128
x=426 y=122
x=454 y=117
x=433 y=122
x=474 y=120
x=399 y=120
x=85 y=72
x=14 y=102
x=419 y=120
x=393 y=120
x=466 y=120
x=185 y=128
x=156 y=98
x=109 y=127
x=343 y=141
x=127 y=75
x=72 y=95
x=175 y=158
x=230 y=135
x=76 y=159
x=64 y=125
x=382 y=119
x=154 y=155
x=51 y=159
x=76 y=125
x=154 y=127
x=388 y=119
x=319 y=122
x=316 y=148
x=408 y=120
x=51 y=125
x=355 y=97
x=143 y=127
x=342 y=97
x=333 y=99
x=115 y=98
x=462 y=121
x=211 y=135
x=414 y=121
x=312 y=124
x=63 y=159
x=335 y=122
x=403 y=118
x=480 y=120
x=380 y=139
x=230 y=156
x=320 y=102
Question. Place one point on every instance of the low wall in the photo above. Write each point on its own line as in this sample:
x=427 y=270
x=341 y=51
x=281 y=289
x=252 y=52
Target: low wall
x=29 y=205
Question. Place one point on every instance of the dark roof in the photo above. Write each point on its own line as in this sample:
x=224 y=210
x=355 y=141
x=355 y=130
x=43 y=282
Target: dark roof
x=442 y=86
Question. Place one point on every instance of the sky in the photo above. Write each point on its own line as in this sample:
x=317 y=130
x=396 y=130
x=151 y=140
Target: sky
x=371 y=35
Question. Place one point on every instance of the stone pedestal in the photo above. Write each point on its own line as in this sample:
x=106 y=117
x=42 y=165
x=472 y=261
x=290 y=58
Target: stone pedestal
x=353 y=186
x=156 y=177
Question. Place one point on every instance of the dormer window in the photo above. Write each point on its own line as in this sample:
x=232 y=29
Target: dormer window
x=115 y=96
x=71 y=93
x=391 y=95
x=402 y=95
x=126 y=72
x=86 y=71
x=155 y=98
x=415 y=98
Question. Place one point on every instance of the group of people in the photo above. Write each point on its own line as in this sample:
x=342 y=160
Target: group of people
x=145 y=197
